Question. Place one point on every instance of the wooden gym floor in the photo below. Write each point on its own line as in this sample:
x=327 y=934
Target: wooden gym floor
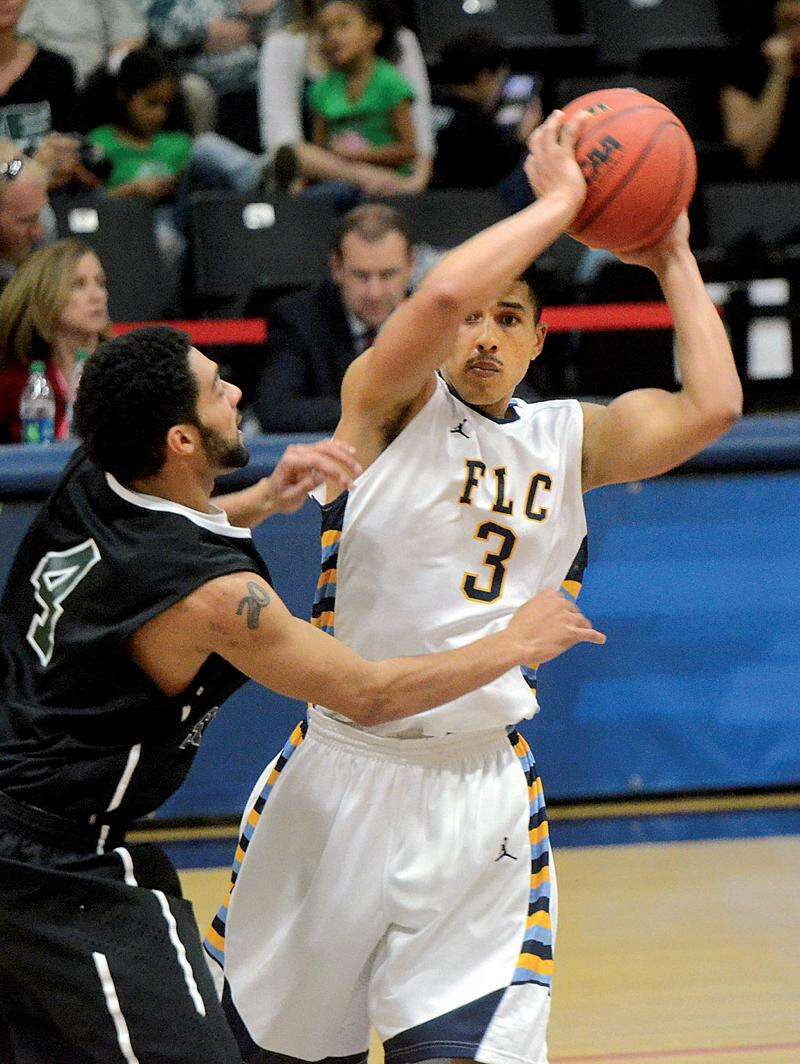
x=668 y=953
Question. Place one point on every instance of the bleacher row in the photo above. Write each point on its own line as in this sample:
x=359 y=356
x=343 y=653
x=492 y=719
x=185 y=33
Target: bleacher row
x=607 y=34
x=245 y=252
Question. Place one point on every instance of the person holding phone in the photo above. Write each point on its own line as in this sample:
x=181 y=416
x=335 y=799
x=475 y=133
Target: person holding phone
x=474 y=147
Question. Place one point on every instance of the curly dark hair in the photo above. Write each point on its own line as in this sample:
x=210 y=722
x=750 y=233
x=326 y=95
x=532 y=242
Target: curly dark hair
x=133 y=390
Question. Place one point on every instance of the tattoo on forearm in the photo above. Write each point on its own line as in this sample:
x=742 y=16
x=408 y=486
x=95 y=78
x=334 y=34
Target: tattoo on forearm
x=254 y=603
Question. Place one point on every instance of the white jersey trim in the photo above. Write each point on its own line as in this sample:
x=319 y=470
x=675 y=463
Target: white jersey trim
x=214 y=521
x=180 y=952
x=114 y=1009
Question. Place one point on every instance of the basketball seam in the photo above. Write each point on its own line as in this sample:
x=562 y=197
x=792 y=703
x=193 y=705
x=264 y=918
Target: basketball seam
x=655 y=106
x=629 y=176
x=678 y=185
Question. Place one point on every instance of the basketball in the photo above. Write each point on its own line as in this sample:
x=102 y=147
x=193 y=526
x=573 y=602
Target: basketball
x=640 y=168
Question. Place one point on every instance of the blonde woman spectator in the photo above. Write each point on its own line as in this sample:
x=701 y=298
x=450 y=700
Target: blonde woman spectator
x=55 y=305
x=89 y=33
x=292 y=57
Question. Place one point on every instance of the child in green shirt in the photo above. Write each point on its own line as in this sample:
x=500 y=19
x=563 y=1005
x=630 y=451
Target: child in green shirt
x=146 y=159
x=362 y=108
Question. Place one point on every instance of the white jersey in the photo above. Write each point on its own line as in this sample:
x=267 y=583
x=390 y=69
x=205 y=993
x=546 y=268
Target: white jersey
x=457 y=523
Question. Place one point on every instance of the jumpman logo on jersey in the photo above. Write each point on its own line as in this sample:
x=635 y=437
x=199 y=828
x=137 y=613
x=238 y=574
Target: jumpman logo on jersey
x=504 y=852
x=459 y=429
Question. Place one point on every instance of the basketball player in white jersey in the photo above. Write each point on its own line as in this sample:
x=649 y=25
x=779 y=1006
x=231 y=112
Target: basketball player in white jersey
x=401 y=875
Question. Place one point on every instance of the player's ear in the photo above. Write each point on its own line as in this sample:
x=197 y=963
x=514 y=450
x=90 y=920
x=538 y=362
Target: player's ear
x=538 y=344
x=182 y=440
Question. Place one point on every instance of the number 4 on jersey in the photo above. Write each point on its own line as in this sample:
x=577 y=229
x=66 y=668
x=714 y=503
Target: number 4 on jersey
x=54 y=579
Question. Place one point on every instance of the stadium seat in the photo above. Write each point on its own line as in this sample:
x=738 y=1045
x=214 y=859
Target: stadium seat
x=122 y=234
x=518 y=23
x=673 y=92
x=445 y=218
x=238 y=245
x=765 y=213
x=627 y=29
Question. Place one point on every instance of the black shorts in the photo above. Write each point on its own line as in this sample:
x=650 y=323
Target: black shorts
x=100 y=959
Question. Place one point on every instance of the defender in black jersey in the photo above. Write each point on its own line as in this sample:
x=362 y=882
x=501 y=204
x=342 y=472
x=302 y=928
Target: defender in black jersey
x=135 y=606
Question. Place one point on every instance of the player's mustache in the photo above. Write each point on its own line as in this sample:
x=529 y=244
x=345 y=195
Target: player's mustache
x=484 y=358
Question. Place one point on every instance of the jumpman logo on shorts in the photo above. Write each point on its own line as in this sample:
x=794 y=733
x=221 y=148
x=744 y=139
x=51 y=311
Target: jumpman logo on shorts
x=504 y=852
x=460 y=429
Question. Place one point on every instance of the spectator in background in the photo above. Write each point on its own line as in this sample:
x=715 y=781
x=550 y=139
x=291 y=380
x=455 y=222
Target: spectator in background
x=90 y=33
x=146 y=159
x=761 y=98
x=316 y=334
x=23 y=203
x=38 y=102
x=293 y=57
x=362 y=108
x=473 y=150
x=55 y=305
x=218 y=38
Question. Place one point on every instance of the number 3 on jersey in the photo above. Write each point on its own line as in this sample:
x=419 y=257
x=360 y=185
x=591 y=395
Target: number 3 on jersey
x=495 y=560
x=54 y=579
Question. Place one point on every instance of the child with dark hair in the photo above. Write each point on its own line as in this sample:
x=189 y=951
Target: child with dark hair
x=361 y=110
x=146 y=158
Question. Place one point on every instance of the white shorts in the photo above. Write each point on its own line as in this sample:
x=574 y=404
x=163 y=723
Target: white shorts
x=402 y=883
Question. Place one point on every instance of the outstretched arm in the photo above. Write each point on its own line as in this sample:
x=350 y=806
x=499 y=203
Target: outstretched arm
x=649 y=431
x=241 y=618
x=267 y=643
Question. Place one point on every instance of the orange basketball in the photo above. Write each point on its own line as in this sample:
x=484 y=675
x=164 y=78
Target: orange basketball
x=640 y=167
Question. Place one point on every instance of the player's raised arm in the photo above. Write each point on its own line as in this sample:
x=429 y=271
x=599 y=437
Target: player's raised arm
x=419 y=335
x=649 y=431
x=241 y=618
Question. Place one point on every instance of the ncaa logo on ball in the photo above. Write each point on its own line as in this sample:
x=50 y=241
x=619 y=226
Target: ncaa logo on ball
x=601 y=157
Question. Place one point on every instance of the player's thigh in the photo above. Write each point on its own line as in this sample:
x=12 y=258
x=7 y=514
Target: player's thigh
x=122 y=979
x=153 y=989
x=470 y=976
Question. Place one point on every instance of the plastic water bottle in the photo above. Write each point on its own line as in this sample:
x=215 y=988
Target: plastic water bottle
x=74 y=383
x=37 y=407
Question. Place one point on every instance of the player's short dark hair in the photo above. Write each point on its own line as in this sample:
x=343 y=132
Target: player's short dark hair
x=531 y=278
x=372 y=222
x=467 y=55
x=133 y=390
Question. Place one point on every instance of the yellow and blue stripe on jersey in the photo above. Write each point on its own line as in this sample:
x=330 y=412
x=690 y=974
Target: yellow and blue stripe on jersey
x=323 y=612
x=535 y=962
x=214 y=943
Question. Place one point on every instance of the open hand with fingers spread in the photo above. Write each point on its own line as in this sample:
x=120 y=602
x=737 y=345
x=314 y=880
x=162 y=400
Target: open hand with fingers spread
x=304 y=467
x=551 y=167
x=549 y=624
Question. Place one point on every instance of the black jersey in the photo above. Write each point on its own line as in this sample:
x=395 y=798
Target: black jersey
x=84 y=732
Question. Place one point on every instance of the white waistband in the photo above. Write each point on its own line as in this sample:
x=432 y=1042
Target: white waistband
x=429 y=750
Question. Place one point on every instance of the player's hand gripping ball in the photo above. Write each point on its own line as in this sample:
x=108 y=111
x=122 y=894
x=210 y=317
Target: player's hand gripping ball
x=640 y=168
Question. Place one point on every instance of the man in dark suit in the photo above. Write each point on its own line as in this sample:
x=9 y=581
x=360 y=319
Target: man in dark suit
x=314 y=335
